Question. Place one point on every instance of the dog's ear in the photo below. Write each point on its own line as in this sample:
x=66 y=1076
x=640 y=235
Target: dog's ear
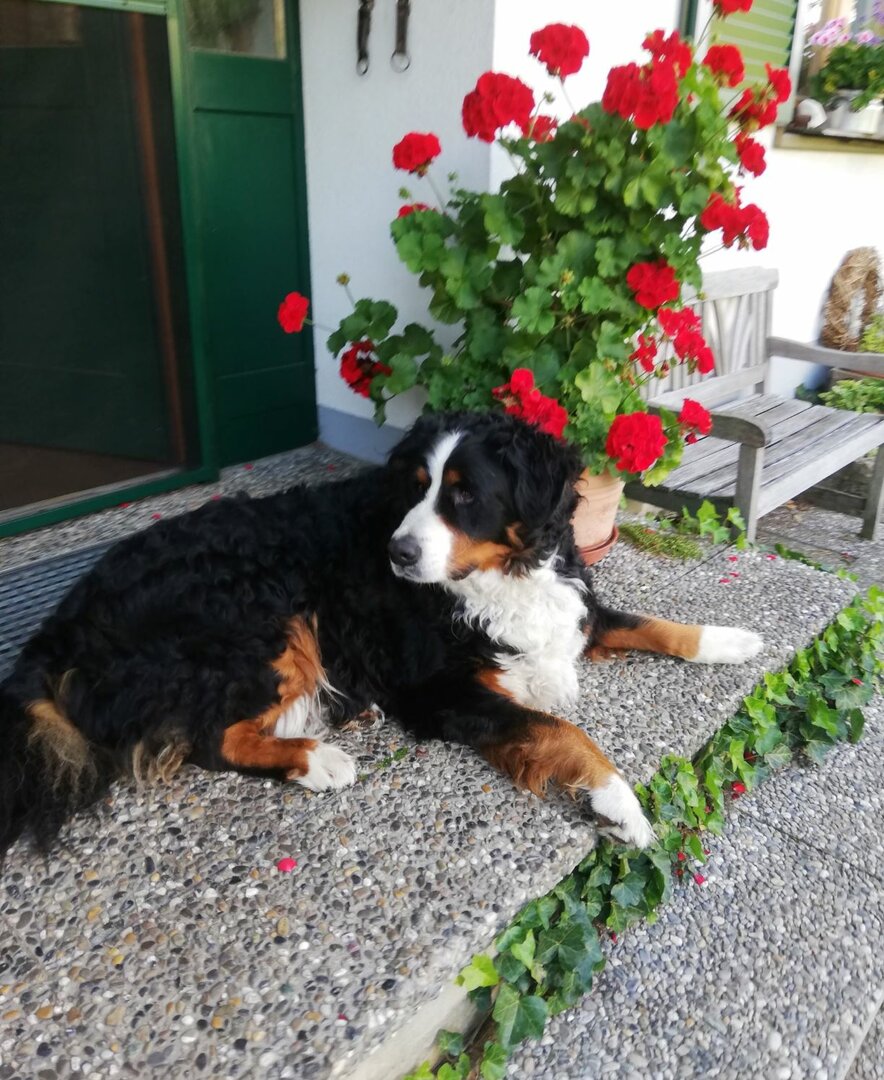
x=543 y=472
x=413 y=446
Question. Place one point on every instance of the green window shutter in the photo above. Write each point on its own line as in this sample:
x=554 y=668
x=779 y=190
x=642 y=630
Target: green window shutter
x=763 y=34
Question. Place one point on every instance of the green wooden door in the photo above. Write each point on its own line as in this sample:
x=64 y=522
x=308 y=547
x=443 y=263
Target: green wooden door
x=79 y=357
x=245 y=177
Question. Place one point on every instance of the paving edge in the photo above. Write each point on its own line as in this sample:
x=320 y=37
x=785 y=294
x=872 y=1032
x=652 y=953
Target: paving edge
x=860 y=1043
x=416 y=1042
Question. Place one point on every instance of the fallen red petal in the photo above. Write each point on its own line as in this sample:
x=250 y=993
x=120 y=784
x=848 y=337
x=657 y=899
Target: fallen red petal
x=123 y=506
x=681 y=856
x=156 y=517
x=733 y=558
x=770 y=556
x=699 y=879
x=724 y=581
x=614 y=937
x=738 y=788
x=857 y=682
x=285 y=866
x=248 y=467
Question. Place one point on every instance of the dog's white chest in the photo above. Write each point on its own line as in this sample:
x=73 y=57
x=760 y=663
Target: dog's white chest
x=539 y=617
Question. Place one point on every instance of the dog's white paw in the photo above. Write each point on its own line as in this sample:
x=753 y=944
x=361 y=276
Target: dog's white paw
x=328 y=767
x=727 y=645
x=625 y=819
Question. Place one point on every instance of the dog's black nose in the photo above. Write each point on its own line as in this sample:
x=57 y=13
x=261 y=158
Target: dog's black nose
x=404 y=550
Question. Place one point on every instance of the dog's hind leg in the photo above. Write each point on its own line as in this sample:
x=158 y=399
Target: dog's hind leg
x=248 y=746
x=617 y=632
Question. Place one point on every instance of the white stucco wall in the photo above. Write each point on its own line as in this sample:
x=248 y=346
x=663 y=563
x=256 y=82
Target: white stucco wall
x=352 y=123
x=820 y=204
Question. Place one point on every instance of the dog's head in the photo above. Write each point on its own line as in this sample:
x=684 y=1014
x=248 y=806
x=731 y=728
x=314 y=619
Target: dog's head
x=481 y=491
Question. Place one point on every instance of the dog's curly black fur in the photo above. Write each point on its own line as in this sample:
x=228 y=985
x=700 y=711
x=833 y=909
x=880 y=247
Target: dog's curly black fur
x=171 y=640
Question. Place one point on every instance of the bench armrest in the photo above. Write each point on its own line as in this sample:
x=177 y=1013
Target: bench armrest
x=873 y=363
x=725 y=425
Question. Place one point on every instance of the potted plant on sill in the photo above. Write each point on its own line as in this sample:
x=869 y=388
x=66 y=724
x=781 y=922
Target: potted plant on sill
x=566 y=285
x=851 y=79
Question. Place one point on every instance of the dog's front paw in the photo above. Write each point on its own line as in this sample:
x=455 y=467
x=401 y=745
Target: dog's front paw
x=622 y=816
x=327 y=767
x=727 y=645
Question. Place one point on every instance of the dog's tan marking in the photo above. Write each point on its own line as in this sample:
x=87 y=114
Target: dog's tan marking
x=246 y=745
x=299 y=673
x=551 y=750
x=451 y=477
x=652 y=635
x=64 y=748
x=468 y=554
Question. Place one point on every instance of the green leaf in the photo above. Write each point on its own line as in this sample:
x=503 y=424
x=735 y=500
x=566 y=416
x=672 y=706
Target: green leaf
x=460 y=1070
x=524 y=950
x=779 y=756
x=494 y=1060
x=423 y=1072
x=518 y=1017
x=509 y=968
x=598 y=387
x=856 y=723
x=500 y=222
x=532 y=310
x=678 y=141
x=628 y=893
x=817 y=750
x=450 y=1043
x=479 y=972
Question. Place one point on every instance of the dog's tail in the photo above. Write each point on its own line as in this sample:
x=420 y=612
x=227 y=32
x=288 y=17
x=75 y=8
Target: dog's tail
x=48 y=769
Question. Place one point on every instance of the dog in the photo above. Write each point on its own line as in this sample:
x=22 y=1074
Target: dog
x=444 y=589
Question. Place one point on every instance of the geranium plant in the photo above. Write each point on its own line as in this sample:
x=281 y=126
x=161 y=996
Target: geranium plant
x=853 y=61
x=567 y=286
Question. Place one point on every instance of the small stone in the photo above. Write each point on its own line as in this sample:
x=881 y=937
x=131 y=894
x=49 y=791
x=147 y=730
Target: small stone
x=115 y=1016
x=92 y=914
x=774 y=1042
x=282 y=927
x=44 y=1012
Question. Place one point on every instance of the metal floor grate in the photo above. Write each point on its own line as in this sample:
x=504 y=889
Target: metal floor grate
x=29 y=593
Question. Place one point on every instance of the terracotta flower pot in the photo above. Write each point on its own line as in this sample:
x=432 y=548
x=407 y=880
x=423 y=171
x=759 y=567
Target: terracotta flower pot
x=594 y=530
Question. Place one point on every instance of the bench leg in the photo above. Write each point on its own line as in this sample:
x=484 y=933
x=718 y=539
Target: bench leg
x=875 y=501
x=749 y=486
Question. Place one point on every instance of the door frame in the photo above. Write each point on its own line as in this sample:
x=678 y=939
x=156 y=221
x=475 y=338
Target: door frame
x=77 y=504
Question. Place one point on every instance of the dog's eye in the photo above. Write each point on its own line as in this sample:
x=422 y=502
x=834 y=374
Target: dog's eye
x=460 y=496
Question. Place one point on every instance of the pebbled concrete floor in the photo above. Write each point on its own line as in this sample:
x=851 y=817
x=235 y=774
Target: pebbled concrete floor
x=161 y=940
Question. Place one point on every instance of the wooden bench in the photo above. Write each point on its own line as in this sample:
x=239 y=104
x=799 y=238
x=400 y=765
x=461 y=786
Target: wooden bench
x=764 y=449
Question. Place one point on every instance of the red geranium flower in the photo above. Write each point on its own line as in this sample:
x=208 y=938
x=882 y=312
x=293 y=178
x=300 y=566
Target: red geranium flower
x=292 y=312
x=541 y=128
x=647 y=95
x=358 y=367
x=520 y=397
x=748 y=224
x=410 y=208
x=727 y=61
x=695 y=417
x=751 y=154
x=561 y=48
x=684 y=330
x=673 y=49
x=635 y=441
x=415 y=151
x=497 y=100
x=728 y=7
x=653 y=283
x=645 y=353
x=780 y=83
x=753 y=112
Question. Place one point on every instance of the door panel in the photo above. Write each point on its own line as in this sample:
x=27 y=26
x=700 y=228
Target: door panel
x=247 y=174
x=80 y=364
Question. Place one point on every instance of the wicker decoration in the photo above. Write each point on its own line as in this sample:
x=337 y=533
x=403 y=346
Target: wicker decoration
x=852 y=300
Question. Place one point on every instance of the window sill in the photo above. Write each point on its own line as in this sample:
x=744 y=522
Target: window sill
x=840 y=141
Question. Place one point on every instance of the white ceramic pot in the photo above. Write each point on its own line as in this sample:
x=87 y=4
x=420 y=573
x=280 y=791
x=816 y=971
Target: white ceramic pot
x=865 y=121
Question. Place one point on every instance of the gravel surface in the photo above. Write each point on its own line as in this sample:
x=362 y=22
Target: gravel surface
x=773 y=968
x=163 y=935
x=869 y=1062
x=309 y=464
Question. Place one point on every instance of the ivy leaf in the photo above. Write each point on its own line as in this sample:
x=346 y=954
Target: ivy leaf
x=779 y=756
x=524 y=950
x=509 y=967
x=628 y=893
x=817 y=750
x=479 y=972
x=518 y=1017
x=856 y=723
x=493 y=1064
x=450 y=1043
x=458 y=1071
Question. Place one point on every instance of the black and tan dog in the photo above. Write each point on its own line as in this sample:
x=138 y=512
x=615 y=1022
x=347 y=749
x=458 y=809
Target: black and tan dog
x=444 y=588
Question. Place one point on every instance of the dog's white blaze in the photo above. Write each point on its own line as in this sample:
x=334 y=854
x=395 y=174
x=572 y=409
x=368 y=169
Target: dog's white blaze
x=726 y=645
x=539 y=615
x=328 y=767
x=424 y=525
x=616 y=801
